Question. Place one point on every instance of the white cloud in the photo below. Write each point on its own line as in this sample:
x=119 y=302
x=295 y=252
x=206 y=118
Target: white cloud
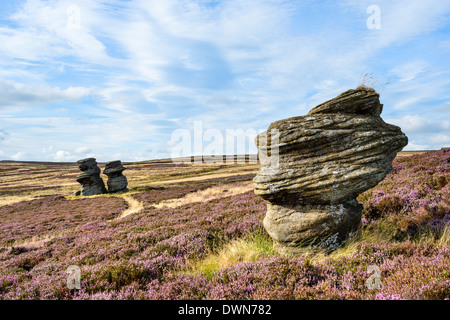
x=421 y=95
x=118 y=98
x=410 y=70
x=45 y=32
x=416 y=147
x=62 y=155
x=406 y=103
x=417 y=124
x=83 y=150
x=28 y=45
x=403 y=20
x=423 y=133
x=19 y=155
x=441 y=139
x=19 y=94
x=97 y=137
x=232 y=64
x=47 y=149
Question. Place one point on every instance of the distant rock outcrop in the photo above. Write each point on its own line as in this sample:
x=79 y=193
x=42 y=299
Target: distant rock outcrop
x=90 y=180
x=323 y=161
x=117 y=182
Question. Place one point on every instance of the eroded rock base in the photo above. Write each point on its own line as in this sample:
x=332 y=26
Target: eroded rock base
x=292 y=225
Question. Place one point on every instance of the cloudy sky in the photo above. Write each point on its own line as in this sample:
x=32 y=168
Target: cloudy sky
x=116 y=79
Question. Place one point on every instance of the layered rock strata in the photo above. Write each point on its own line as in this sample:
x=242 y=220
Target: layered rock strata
x=313 y=167
x=117 y=182
x=90 y=180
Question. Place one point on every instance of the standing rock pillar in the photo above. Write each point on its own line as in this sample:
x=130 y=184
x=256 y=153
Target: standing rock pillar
x=117 y=182
x=90 y=180
x=323 y=161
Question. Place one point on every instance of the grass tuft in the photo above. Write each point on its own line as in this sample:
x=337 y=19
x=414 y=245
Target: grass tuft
x=251 y=248
x=444 y=240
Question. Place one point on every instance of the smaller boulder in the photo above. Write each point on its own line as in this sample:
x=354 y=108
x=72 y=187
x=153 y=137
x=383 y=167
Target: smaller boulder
x=117 y=182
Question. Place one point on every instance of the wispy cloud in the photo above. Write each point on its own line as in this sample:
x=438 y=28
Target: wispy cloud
x=116 y=78
x=417 y=124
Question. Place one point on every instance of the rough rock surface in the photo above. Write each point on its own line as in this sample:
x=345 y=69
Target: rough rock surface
x=313 y=167
x=117 y=182
x=90 y=180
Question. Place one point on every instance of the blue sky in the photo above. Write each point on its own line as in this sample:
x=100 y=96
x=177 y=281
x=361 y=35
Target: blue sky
x=116 y=79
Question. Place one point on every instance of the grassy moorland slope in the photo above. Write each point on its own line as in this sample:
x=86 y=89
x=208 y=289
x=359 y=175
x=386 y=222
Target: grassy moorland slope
x=195 y=232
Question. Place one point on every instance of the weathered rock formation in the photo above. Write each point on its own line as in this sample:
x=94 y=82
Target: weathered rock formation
x=117 y=182
x=90 y=180
x=313 y=167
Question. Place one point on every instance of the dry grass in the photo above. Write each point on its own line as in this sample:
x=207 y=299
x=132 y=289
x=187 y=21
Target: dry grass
x=409 y=153
x=317 y=255
x=196 y=178
x=249 y=249
x=444 y=240
x=8 y=200
x=258 y=246
x=36 y=241
x=234 y=252
x=209 y=194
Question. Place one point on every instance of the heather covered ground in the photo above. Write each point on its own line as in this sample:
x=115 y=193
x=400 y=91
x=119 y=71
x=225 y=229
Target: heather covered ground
x=206 y=247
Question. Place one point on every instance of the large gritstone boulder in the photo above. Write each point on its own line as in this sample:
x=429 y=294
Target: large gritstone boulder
x=314 y=166
x=90 y=180
x=117 y=182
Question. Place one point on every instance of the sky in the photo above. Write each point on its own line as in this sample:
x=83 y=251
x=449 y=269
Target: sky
x=138 y=80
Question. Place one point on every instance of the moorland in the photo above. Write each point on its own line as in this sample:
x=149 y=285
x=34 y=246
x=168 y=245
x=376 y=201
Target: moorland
x=194 y=231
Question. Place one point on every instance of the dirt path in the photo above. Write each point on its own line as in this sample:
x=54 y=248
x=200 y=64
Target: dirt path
x=134 y=206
